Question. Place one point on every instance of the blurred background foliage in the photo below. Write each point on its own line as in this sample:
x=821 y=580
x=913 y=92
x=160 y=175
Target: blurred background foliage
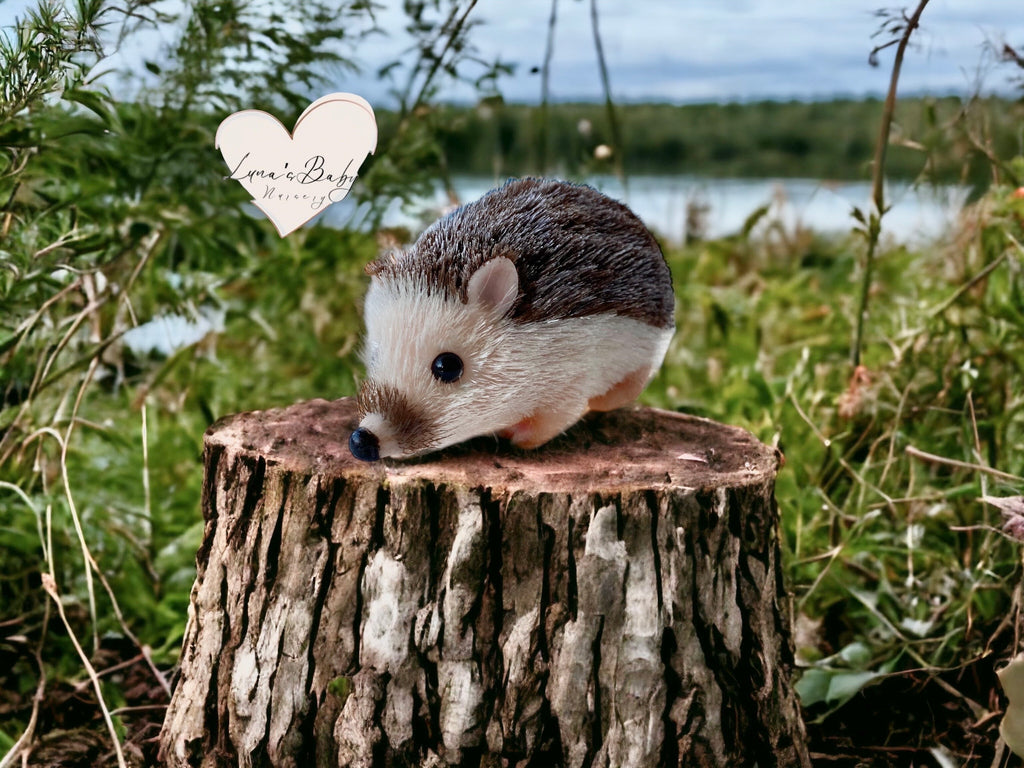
x=939 y=140
x=114 y=213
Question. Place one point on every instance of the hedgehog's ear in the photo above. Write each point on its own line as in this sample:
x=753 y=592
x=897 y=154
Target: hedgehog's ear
x=495 y=285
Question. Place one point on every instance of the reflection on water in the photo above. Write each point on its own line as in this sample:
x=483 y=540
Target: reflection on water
x=917 y=214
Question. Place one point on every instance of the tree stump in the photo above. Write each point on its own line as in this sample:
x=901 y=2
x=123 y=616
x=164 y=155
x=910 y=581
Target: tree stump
x=614 y=598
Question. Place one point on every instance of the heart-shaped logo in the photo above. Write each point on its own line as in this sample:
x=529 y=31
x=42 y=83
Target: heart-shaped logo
x=293 y=177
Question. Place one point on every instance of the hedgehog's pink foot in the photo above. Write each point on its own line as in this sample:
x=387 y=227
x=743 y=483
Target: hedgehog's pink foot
x=538 y=428
x=626 y=391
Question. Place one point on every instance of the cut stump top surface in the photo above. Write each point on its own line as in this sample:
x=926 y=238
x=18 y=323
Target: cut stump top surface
x=626 y=449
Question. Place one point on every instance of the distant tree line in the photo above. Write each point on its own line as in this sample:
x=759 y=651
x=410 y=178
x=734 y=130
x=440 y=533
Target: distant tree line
x=943 y=139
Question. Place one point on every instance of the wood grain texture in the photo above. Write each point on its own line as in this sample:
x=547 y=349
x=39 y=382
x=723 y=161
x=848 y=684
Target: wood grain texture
x=611 y=599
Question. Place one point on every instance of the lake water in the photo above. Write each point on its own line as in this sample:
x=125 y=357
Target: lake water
x=918 y=213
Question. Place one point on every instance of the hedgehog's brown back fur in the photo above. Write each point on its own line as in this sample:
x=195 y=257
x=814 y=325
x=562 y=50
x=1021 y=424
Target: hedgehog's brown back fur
x=577 y=253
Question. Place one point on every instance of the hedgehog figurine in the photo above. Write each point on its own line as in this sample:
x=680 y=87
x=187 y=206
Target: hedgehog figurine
x=515 y=314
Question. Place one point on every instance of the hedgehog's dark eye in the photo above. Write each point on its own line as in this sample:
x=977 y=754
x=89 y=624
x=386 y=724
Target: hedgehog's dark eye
x=447 y=367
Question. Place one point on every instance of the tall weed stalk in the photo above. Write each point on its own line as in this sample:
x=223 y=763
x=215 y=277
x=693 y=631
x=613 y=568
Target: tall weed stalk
x=904 y=26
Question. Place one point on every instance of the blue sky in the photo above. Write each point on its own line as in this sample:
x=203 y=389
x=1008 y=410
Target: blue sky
x=706 y=50
x=723 y=50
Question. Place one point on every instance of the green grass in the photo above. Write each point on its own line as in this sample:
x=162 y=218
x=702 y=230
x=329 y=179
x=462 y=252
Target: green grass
x=893 y=561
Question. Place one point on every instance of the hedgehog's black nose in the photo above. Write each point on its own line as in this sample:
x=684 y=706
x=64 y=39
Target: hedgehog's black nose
x=364 y=445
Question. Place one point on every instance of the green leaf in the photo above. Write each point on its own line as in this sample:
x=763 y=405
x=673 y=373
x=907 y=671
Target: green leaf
x=831 y=686
x=97 y=103
x=844 y=685
x=751 y=221
x=856 y=654
x=812 y=687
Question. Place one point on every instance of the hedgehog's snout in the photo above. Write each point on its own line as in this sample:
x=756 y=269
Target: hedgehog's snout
x=391 y=424
x=364 y=445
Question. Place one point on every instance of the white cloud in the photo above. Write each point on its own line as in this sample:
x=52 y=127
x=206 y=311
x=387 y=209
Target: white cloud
x=708 y=49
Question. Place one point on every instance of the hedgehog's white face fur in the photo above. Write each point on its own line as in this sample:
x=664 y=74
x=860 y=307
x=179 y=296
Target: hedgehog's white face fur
x=507 y=368
x=406 y=406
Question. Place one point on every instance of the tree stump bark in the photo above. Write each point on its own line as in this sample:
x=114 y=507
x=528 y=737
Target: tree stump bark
x=612 y=599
